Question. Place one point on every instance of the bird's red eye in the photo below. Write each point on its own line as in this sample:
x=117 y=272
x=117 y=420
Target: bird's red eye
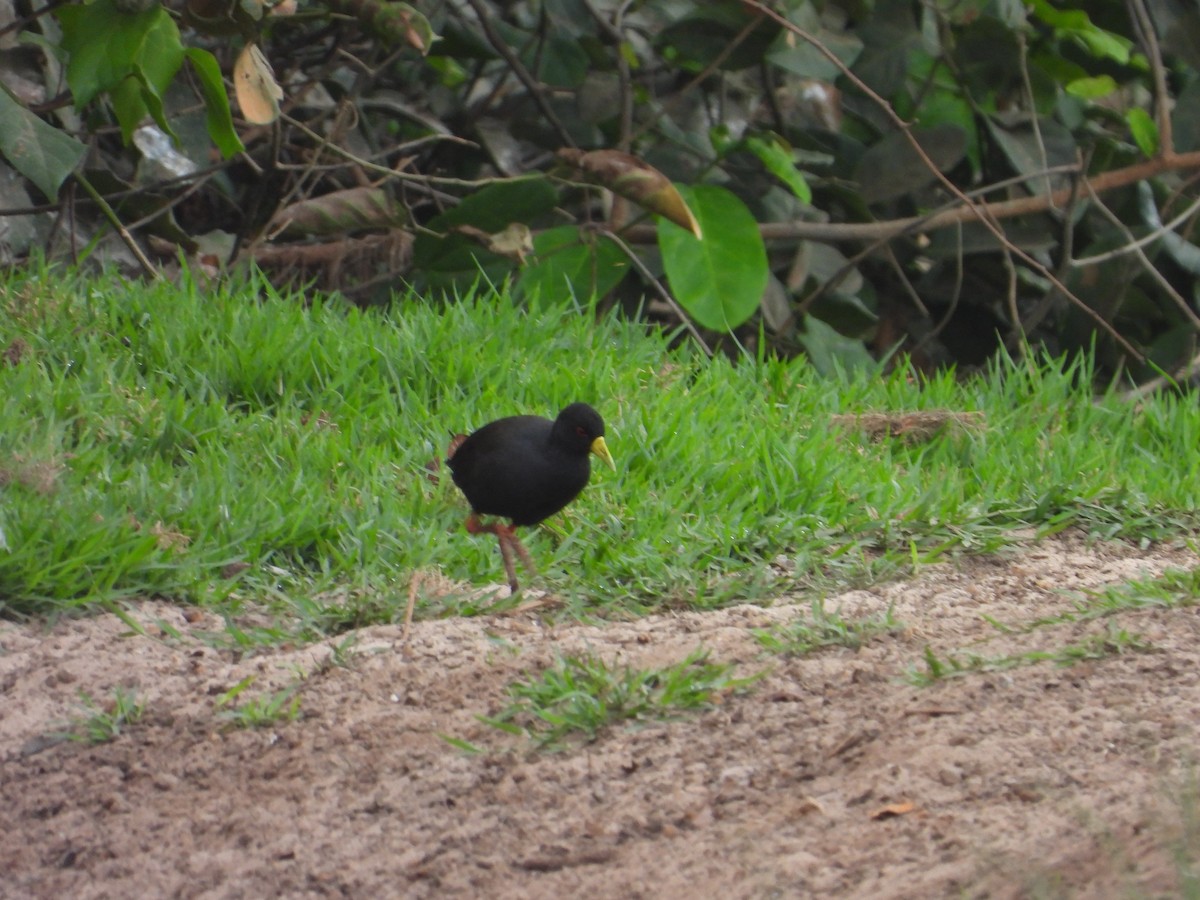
x=581 y=431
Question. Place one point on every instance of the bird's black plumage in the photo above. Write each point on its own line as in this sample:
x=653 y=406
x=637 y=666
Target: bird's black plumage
x=525 y=469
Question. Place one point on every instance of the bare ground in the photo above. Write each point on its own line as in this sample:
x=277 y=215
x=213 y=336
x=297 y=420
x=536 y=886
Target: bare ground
x=834 y=775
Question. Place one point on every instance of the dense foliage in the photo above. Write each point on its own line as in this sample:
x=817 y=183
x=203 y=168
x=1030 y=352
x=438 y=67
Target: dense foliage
x=940 y=177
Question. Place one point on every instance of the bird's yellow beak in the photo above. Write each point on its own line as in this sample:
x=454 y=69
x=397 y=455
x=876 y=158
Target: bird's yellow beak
x=601 y=450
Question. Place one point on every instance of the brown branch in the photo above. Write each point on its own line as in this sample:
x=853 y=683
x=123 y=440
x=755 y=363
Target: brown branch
x=876 y=245
x=18 y=24
x=1003 y=209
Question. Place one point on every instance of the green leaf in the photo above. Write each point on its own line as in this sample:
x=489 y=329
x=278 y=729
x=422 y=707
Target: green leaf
x=157 y=50
x=460 y=744
x=831 y=352
x=558 y=62
x=401 y=23
x=696 y=39
x=489 y=210
x=719 y=280
x=892 y=167
x=845 y=312
x=132 y=99
x=1092 y=88
x=1143 y=129
x=105 y=45
x=889 y=37
x=1076 y=24
x=948 y=107
x=128 y=105
x=803 y=59
x=93 y=66
x=1031 y=153
x=572 y=262
x=778 y=159
x=217 y=116
x=500 y=204
x=40 y=152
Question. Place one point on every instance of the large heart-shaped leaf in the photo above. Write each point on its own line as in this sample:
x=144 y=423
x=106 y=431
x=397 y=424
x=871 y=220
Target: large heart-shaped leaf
x=719 y=280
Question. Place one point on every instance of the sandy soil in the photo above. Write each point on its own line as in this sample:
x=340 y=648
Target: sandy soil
x=833 y=776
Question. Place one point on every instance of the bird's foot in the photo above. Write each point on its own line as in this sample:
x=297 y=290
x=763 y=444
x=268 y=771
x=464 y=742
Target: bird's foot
x=506 y=535
x=506 y=554
x=510 y=533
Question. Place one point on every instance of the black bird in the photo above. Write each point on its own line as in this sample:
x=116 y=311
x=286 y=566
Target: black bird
x=525 y=469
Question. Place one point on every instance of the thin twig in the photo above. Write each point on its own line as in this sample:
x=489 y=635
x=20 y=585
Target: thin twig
x=616 y=33
x=1150 y=268
x=1016 y=341
x=19 y=23
x=713 y=64
x=658 y=289
x=1138 y=243
x=116 y=223
x=518 y=68
x=1181 y=374
x=959 y=277
x=852 y=262
x=905 y=283
x=1027 y=86
x=1143 y=25
x=169 y=205
x=957 y=212
x=465 y=183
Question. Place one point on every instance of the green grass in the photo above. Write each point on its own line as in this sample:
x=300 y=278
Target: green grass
x=1173 y=589
x=825 y=629
x=100 y=724
x=582 y=695
x=1114 y=641
x=263 y=711
x=242 y=450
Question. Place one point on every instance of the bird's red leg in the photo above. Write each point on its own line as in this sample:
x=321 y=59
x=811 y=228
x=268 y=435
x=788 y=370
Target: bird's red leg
x=511 y=533
x=506 y=553
x=504 y=534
